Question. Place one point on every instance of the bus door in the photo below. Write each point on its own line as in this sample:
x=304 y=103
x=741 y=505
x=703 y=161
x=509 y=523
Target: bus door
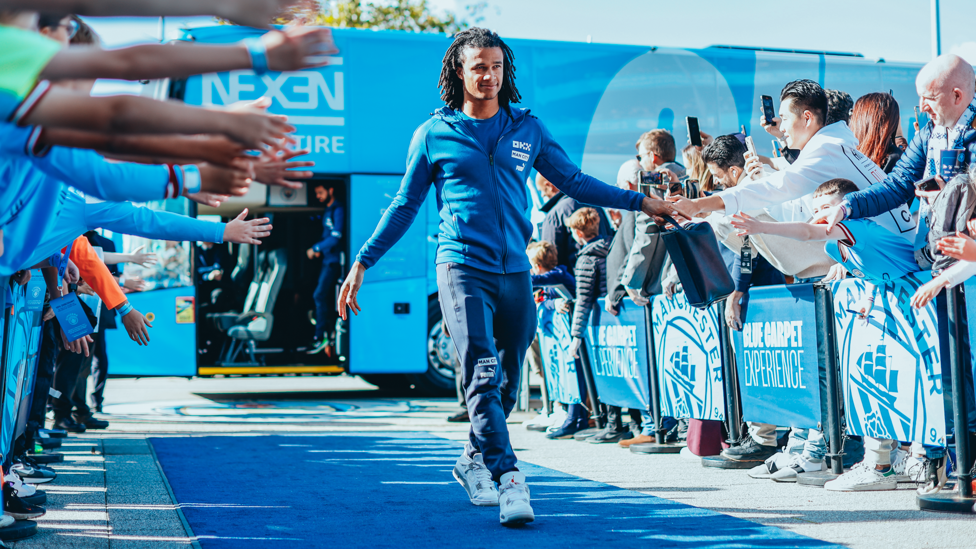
x=389 y=334
x=168 y=301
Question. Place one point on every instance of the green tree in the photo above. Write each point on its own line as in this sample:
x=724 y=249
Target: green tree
x=408 y=15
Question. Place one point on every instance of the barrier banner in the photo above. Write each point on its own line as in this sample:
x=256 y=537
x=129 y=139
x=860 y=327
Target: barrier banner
x=688 y=359
x=17 y=344
x=554 y=339
x=617 y=346
x=890 y=370
x=969 y=290
x=776 y=357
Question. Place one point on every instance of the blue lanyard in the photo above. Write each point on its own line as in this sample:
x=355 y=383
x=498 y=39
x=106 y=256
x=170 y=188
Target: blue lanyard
x=63 y=264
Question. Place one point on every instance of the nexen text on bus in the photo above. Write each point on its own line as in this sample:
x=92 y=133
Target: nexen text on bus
x=289 y=92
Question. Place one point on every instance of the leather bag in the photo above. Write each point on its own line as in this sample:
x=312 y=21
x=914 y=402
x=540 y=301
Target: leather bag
x=698 y=262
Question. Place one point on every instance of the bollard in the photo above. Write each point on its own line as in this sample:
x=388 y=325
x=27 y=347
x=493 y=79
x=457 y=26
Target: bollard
x=733 y=414
x=962 y=500
x=827 y=350
x=660 y=445
x=733 y=405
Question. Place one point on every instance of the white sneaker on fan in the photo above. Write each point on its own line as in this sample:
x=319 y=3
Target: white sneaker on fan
x=20 y=488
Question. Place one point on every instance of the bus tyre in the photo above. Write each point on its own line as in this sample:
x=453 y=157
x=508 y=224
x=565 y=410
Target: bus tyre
x=438 y=380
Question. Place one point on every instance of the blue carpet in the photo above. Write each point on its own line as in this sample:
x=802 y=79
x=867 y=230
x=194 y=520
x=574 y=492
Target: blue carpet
x=396 y=490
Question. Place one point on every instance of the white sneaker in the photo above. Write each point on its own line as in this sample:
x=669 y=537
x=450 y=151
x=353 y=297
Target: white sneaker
x=6 y=520
x=773 y=463
x=558 y=417
x=863 y=477
x=541 y=420
x=513 y=500
x=798 y=464
x=917 y=470
x=688 y=454
x=476 y=479
x=22 y=490
x=899 y=464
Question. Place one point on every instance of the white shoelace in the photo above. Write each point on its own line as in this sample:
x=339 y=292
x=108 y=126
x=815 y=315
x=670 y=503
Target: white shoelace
x=482 y=477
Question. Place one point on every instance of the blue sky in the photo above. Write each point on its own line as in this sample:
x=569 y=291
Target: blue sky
x=896 y=30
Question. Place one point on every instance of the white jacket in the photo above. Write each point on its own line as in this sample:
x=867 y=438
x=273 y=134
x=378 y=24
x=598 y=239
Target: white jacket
x=787 y=194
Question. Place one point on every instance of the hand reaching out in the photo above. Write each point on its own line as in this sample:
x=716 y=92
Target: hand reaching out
x=247 y=232
x=146 y=259
x=836 y=272
x=927 y=292
x=135 y=284
x=135 y=324
x=746 y=224
x=278 y=168
x=828 y=216
x=961 y=246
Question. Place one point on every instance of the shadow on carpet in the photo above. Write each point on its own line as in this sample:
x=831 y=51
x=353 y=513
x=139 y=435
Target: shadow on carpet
x=396 y=490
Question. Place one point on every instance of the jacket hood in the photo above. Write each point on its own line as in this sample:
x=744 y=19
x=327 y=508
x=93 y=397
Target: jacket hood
x=599 y=248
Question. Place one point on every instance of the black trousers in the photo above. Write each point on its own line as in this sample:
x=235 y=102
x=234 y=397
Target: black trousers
x=99 y=369
x=71 y=380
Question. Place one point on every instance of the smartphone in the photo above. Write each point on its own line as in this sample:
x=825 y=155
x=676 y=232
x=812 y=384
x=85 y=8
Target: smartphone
x=744 y=132
x=928 y=185
x=694 y=133
x=776 y=148
x=767 y=106
x=750 y=146
x=918 y=119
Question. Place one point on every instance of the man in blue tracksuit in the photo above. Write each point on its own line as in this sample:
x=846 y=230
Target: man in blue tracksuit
x=476 y=153
x=328 y=248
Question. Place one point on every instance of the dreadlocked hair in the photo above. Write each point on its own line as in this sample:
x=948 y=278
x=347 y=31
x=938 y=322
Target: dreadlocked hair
x=452 y=88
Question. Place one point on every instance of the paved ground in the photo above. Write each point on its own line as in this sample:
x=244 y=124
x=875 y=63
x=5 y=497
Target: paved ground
x=110 y=492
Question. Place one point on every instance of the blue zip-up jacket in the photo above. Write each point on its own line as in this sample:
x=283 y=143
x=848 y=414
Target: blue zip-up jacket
x=481 y=195
x=899 y=187
x=333 y=220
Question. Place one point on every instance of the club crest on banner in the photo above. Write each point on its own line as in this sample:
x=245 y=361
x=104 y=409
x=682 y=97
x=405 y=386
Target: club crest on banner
x=890 y=369
x=688 y=359
x=554 y=339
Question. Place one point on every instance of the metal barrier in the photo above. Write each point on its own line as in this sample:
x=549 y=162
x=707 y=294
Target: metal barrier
x=803 y=359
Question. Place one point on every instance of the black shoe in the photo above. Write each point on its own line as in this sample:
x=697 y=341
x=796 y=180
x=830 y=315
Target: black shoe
x=460 y=417
x=18 y=508
x=567 y=430
x=69 y=425
x=91 y=422
x=749 y=450
x=608 y=436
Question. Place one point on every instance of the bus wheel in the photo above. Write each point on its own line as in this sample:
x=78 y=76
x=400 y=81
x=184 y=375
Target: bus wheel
x=438 y=380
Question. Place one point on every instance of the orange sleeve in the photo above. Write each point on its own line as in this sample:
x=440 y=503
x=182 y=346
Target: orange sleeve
x=96 y=274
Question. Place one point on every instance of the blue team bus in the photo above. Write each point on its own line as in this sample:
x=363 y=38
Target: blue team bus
x=357 y=116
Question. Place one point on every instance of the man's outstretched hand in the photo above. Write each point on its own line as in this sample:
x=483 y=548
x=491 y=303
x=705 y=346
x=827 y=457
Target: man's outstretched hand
x=350 y=291
x=655 y=208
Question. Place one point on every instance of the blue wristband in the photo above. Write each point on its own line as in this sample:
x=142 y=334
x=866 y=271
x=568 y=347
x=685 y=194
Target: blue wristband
x=259 y=55
x=125 y=309
x=191 y=179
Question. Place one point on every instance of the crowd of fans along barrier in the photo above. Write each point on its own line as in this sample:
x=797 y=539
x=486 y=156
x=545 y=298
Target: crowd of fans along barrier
x=806 y=215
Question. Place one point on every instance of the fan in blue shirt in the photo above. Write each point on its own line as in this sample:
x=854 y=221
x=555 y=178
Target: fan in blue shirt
x=866 y=249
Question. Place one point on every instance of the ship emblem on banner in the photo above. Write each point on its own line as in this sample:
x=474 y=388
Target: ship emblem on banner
x=890 y=368
x=688 y=358
x=554 y=339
